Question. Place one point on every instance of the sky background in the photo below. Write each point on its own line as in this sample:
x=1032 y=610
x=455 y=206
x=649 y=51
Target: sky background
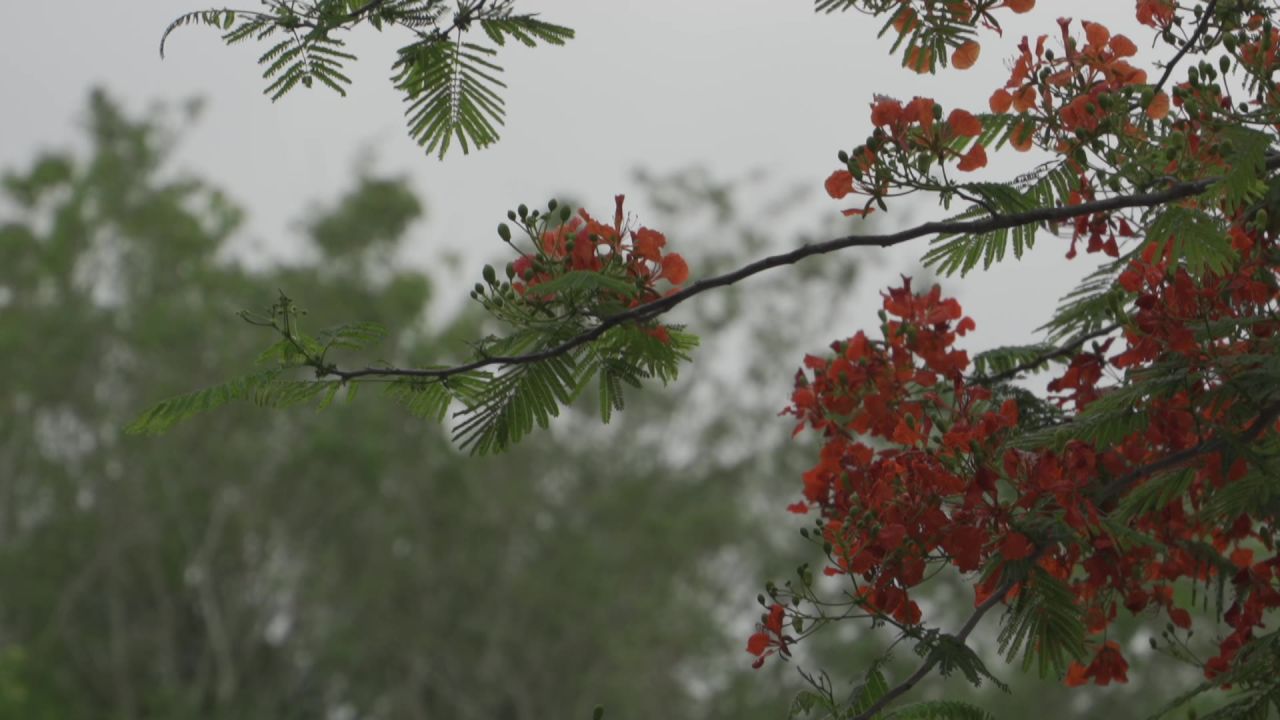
x=730 y=85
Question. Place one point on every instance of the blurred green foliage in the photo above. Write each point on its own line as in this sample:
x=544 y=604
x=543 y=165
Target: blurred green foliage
x=351 y=563
x=315 y=565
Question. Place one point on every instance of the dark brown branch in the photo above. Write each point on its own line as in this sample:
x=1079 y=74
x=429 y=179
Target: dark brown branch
x=1117 y=487
x=1201 y=29
x=1177 y=191
x=932 y=660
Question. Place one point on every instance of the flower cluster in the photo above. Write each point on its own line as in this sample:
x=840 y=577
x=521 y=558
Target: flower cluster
x=908 y=138
x=917 y=468
x=582 y=243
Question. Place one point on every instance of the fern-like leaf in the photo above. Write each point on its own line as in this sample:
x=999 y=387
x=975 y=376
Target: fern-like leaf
x=516 y=400
x=266 y=389
x=527 y=29
x=449 y=86
x=940 y=710
x=1044 y=625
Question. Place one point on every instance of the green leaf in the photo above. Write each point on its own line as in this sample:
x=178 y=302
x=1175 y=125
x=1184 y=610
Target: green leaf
x=449 y=86
x=869 y=692
x=351 y=336
x=527 y=29
x=584 y=280
x=167 y=413
x=952 y=253
x=1246 y=167
x=1004 y=359
x=1043 y=625
x=428 y=399
x=1198 y=239
x=265 y=389
x=940 y=710
x=514 y=401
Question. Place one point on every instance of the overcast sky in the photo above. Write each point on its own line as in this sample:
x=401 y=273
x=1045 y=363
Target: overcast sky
x=731 y=85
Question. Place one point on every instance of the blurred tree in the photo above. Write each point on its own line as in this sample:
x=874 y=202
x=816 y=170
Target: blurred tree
x=351 y=563
x=264 y=565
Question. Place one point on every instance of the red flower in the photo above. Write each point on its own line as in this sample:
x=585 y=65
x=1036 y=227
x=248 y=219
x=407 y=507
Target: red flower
x=674 y=269
x=648 y=244
x=839 y=184
x=1108 y=664
x=974 y=159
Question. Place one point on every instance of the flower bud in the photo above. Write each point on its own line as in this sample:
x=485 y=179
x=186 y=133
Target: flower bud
x=523 y=210
x=504 y=232
x=490 y=275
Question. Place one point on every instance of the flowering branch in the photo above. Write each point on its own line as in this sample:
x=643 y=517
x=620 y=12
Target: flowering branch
x=932 y=660
x=648 y=311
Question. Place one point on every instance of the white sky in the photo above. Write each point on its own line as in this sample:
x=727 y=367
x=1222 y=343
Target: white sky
x=731 y=85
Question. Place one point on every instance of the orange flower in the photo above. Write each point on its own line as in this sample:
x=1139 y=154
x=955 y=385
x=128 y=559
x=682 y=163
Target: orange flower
x=1025 y=98
x=839 y=184
x=1000 y=101
x=885 y=111
x=974 y=159
x=920 y=110
x=648 y=243
x=966 y=55
x=1122 y=46
x=1108 y=664
x=675 y=269
x=1021 y=136
x=919 y=59
x=1159 y=107
x=1097 y=35
x=964 y=124
x=905 y=21
x=1020 y=6
x=1155 y=13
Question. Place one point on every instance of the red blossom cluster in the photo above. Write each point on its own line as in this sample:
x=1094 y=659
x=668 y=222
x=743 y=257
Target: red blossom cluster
x=583 y=243
x=924 y=465
x=916 y=469
x=903 y=131
x=769 y=637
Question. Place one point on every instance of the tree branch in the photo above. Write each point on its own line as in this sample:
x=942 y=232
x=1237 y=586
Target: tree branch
x=1117 y=487
x=1195 y=37
x=648 y=311
x=927 y=666
x=1038 y=360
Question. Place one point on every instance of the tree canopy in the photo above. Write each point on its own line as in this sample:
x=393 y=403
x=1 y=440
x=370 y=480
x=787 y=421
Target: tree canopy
x=1136 y=481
